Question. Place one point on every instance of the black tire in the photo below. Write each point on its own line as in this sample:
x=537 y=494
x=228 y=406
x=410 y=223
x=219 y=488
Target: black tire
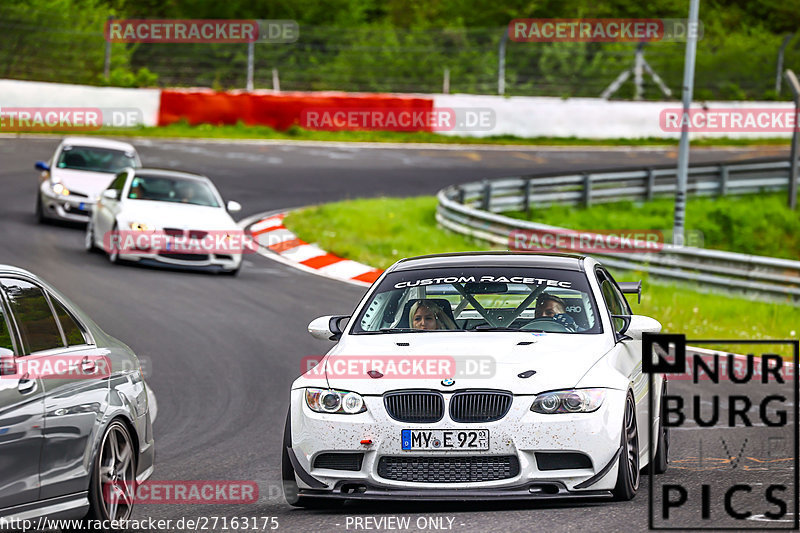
x=661 y=458
x=113 y=254
x=88 y=242
x=628 y=471
x=113 y=473
x=290 y=490
x=40 y=219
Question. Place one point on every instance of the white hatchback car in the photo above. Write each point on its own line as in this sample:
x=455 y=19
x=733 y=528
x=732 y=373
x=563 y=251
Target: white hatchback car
x=81 y=168
x=169 y=218
x=475 y=376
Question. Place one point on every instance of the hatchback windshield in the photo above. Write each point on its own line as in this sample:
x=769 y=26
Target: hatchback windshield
x=481 y=299
x=95 y=159
x=177 y=190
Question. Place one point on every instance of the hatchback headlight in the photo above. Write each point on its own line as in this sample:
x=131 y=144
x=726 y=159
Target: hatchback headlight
x=59 y=188
x=335 y=401
x=139 y=226
x=569 y=401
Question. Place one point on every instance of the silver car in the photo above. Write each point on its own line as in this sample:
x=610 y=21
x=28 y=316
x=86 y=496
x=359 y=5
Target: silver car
x=81 y=168
x=75 y=417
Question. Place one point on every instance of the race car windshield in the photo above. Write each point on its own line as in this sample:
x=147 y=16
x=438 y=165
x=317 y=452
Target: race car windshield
x=95 y=159
x=481 y=299
x=174 y=190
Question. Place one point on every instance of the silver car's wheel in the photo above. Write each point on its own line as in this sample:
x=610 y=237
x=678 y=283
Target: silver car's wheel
x=628 y=471
x=112 y=489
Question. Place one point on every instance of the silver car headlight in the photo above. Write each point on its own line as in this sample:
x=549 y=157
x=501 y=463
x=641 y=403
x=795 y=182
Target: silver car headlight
x=569 y=401
x=58 y=188
x=334 y=401
x=139 y=226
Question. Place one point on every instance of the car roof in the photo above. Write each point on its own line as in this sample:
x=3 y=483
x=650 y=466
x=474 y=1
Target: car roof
x=493 y=259
x=98 y=142
x=9 y=269
x=149 y=172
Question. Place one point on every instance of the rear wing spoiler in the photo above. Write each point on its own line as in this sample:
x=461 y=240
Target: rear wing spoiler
x=632 y=287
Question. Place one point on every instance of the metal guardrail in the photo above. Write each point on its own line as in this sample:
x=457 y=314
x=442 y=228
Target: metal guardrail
x=471 y=209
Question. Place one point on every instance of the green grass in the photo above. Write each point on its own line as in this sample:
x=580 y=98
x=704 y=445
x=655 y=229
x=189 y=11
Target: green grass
x=241 y=131
x=380 y=231
x=751 y=224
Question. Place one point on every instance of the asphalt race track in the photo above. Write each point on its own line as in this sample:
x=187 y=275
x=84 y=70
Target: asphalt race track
x=220 y=353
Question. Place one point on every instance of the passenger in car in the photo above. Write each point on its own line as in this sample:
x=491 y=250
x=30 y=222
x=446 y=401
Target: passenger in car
x=428 y=315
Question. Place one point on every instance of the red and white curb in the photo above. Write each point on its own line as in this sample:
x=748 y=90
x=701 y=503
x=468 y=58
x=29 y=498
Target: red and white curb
x=278 y=242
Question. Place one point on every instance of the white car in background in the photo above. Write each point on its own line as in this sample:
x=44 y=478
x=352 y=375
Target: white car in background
x=559 y=410
x=168 y=218
x=81 y=168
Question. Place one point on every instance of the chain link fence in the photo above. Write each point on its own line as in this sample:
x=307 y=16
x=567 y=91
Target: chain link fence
x=388 y=59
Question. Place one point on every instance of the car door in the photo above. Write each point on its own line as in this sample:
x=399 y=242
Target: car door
x=74 y=403
x=108 y=208
x=629 y=352
x=21 y=407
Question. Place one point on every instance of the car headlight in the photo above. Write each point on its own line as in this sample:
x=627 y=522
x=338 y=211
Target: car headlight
x=139 y=226
x=569 y=401
x=59 y=188
x=334 y=401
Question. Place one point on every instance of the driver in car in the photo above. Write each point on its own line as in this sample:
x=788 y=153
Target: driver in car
x=551 y=306
x=426 y=314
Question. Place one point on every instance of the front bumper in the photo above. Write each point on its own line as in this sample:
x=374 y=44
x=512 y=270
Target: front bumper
x=521 y=434
x=221 y=262
x=72 y=208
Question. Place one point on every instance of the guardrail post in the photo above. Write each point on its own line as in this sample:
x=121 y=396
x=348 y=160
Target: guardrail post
x=587 y=190
x=487 y=195
x=723 y=180
x=651 y=183
x=526 y=202
x=461 y=195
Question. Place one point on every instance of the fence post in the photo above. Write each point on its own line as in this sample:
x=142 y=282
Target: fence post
x=723 y=180
x=587 y=189
x=501 y=63
x=107 y=60
x=651 y=183
x=526 y=202
x=251 y=46
x=781 y=51
x=638 y=67
x=486 y=200
x=276 y=83
x=795 y=86
x=446 y=81
x=461 y=195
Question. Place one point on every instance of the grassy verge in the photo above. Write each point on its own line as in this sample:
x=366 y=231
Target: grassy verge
x=380 y=231
x=241 y=131
x=750 y=224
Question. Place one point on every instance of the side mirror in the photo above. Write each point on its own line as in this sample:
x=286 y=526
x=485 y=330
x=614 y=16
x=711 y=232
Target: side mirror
x=8 y=365
x=111 y=194
x=635 y=325
x=41 y=165
x=326 y=328
x=234 y=207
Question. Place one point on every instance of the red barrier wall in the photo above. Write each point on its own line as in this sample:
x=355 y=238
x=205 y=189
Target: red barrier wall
x=276 y=110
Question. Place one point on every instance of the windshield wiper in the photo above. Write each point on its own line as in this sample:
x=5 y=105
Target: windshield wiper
x=403 y=330
x=489 y=327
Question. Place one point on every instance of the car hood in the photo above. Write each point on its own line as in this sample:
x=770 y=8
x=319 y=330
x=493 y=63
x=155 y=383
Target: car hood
x=482 y=360
x=83 y=181
x=161 y=215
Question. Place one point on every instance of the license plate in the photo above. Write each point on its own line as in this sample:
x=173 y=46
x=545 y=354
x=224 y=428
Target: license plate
x=445 y=439
x=82 y=206
x=168 y=245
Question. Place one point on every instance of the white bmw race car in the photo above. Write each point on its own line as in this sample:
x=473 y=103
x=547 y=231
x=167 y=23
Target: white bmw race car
x=478 y=375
